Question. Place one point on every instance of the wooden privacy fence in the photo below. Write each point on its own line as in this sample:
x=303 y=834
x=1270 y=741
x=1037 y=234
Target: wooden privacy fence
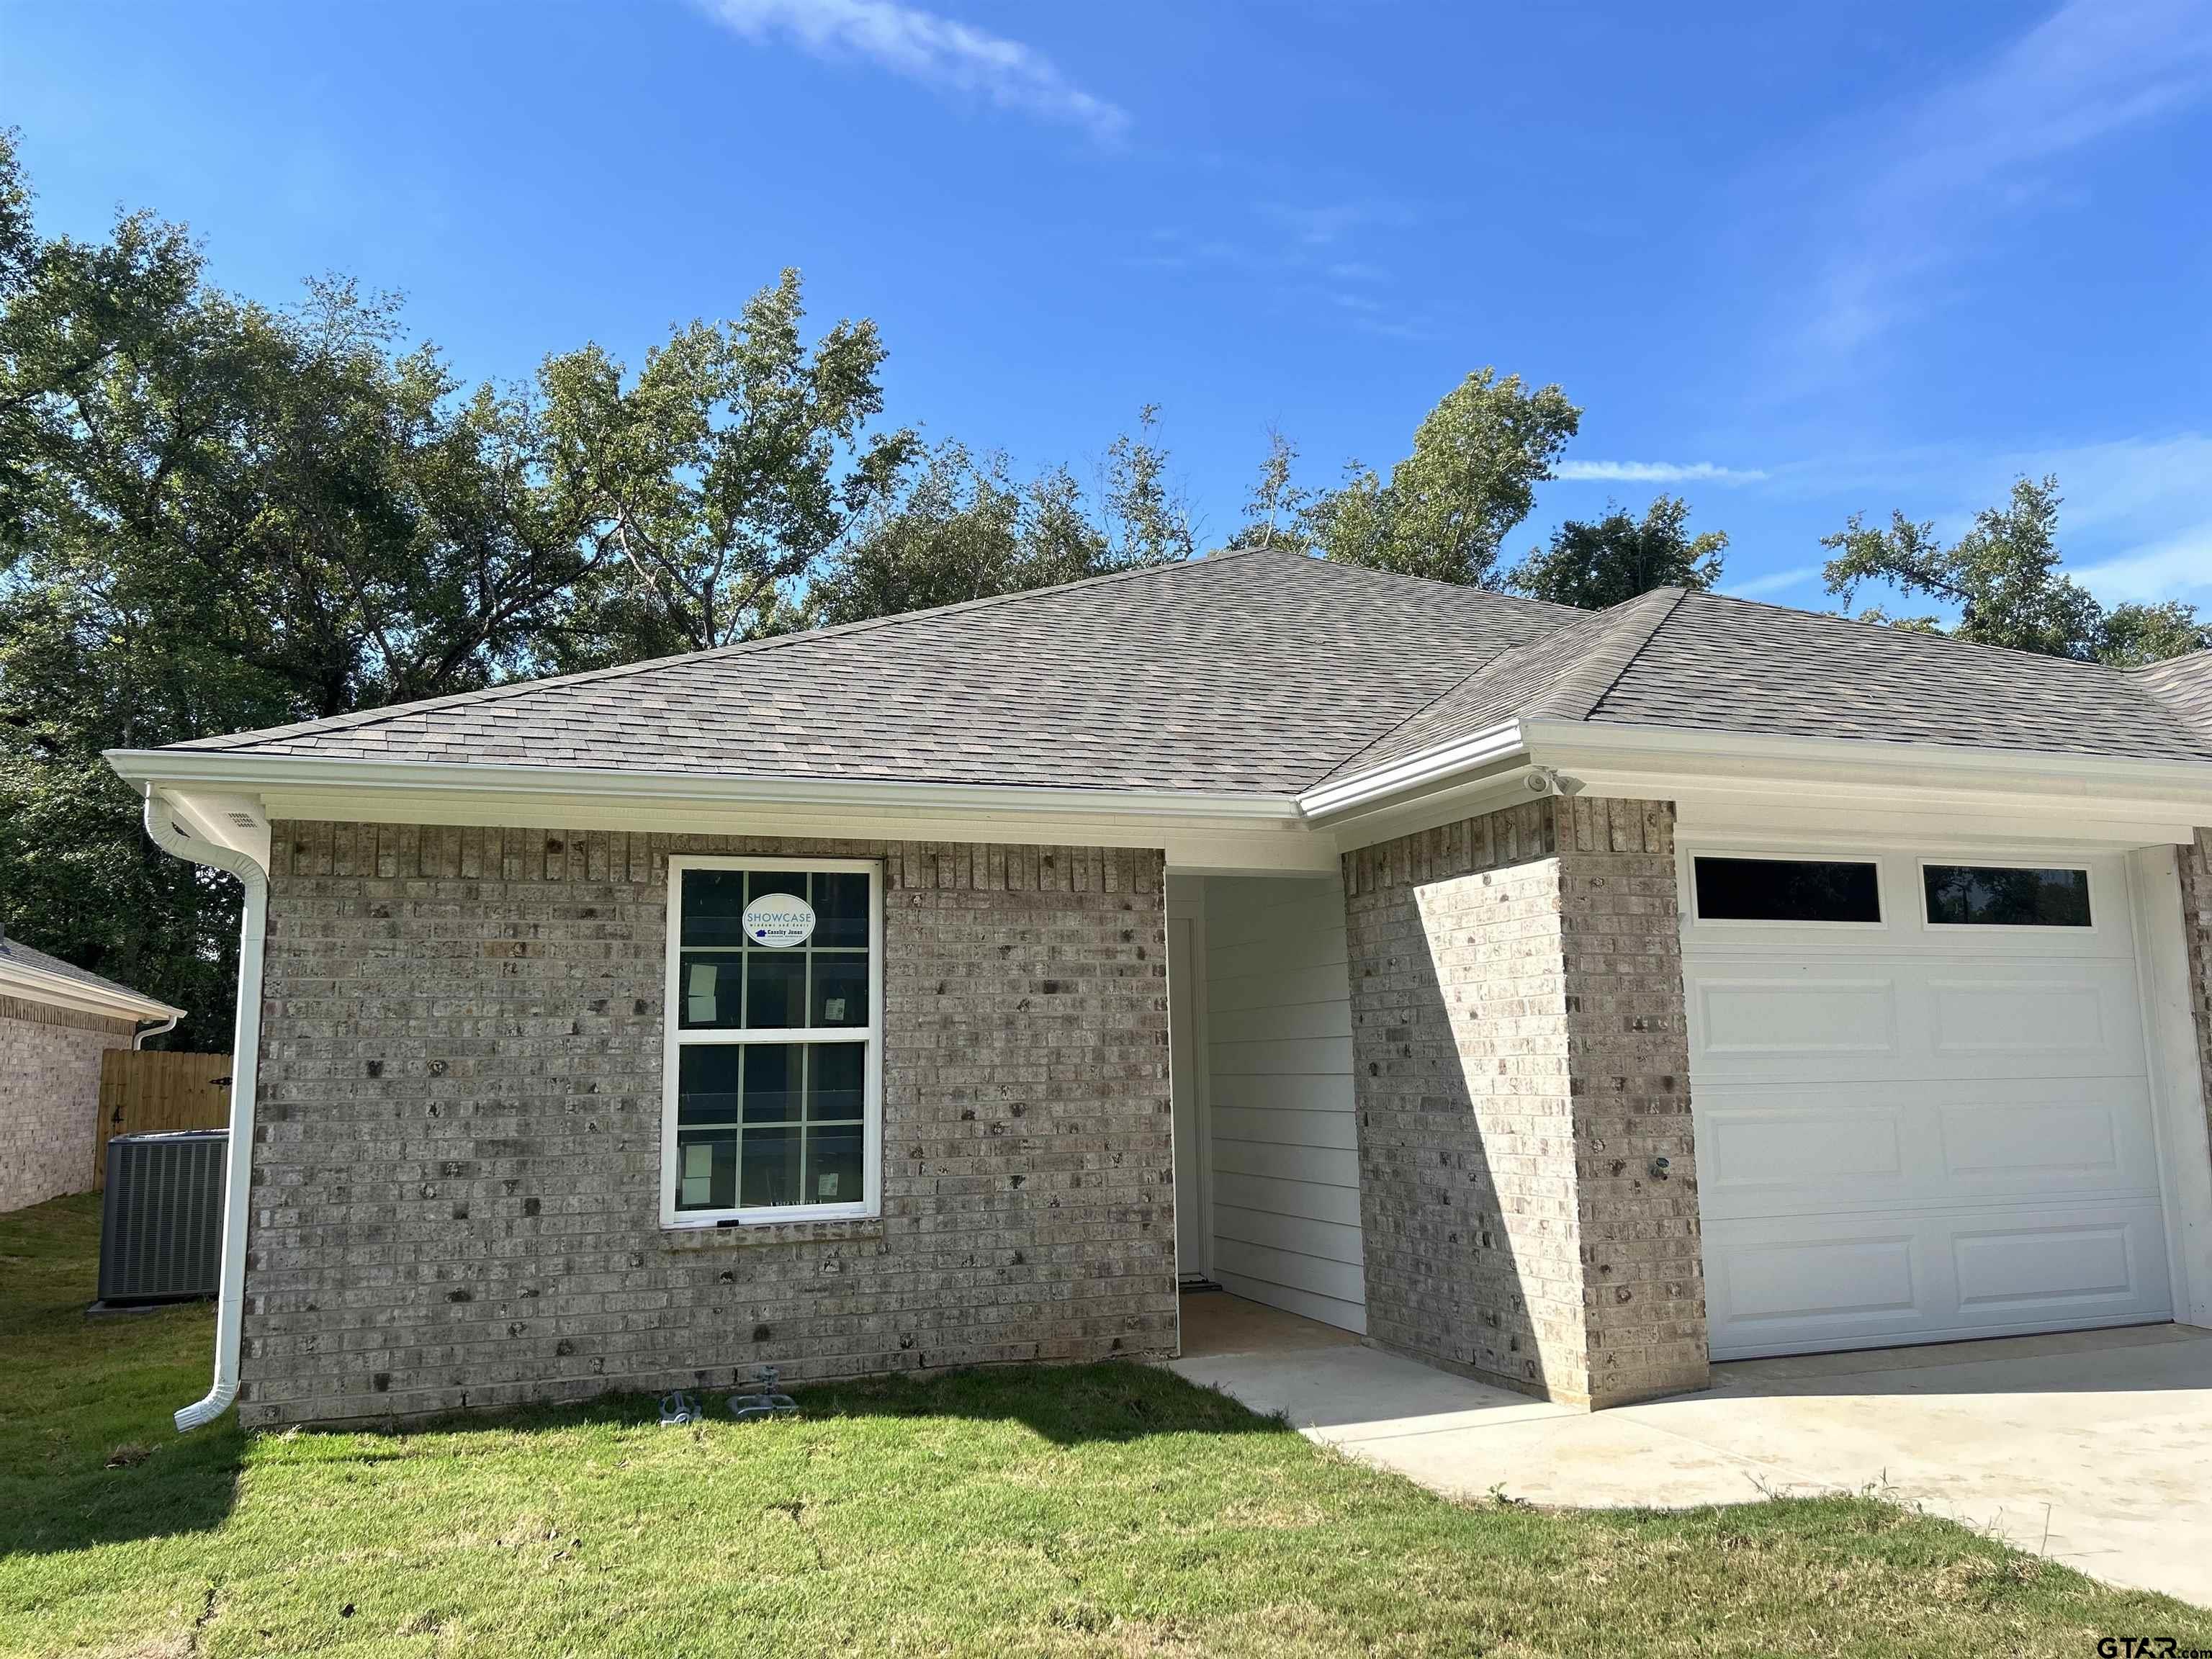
x=144 y=1091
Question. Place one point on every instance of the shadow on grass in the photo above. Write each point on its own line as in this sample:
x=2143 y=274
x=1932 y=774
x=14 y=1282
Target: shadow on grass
x=1118 y=1400
x=188 y=1484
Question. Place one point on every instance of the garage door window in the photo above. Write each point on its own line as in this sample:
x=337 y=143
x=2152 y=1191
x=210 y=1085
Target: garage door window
x=1788 y=889
x=1998 y=896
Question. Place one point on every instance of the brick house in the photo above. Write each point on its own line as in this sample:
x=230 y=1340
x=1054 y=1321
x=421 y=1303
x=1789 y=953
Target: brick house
x=1567 y=999
x=56 y=1022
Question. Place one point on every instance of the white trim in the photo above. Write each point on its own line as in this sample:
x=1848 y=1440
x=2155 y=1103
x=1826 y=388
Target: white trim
x=1433 y=765
x=226 y=769
x=1929 y=789
x=868 y=1038
x=2184 y=1139
x=1192 y=915
x=20 y=980
x=1945 y=929
x=1686 y=854
x=2172 y=779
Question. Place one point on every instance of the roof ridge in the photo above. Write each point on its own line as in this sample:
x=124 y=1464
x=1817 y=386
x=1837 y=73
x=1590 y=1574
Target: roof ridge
x=1642 y=644
x=359 y=718
x=1380 y=739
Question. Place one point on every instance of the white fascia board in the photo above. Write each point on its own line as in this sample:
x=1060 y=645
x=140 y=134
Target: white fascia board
x=61 y=991
x=1252 y=834
x=201 y=770
x=1443 y=763
x=1869 y=774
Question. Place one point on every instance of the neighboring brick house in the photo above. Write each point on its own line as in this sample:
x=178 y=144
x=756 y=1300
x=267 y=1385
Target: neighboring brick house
x=56 y=1022
x=1570 y=999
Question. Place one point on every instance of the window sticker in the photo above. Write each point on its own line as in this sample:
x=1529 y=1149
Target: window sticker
x=779 y=921
x=698 y=1174
x=700 y=996
x=828 y=1186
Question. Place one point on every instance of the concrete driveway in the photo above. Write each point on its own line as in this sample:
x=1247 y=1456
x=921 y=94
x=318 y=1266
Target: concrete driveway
x=2092 y=1448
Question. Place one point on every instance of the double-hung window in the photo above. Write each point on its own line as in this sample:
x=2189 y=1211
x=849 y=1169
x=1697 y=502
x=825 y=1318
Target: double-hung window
x=774 y=1093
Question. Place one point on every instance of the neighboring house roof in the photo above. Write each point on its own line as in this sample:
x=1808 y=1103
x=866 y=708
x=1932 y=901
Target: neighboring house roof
x=34 y=976
x=1265 y=672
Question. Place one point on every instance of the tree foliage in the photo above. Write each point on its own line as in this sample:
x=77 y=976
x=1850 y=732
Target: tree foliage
x=1616 y=557
x=964 y=528
x=216 y=515
x=1276 y=512
x=1447 y=507
x=2003 y=576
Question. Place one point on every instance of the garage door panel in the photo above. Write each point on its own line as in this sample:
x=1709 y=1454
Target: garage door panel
x=2077 y=1011
x=1916 y=1133
x=1925 y=1018
x=1764 y=1016
x=1807 y=1148
x=1819 y=1276
x=1780 y=1284
x=1754 y=1143
x=2055 y=1267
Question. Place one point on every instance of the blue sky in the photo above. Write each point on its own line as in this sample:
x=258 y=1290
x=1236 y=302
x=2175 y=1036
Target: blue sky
x=1793 y=259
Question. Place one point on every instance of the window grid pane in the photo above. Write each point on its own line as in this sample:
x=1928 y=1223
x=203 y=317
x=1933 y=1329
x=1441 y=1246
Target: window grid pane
x=1787 y=890
x=2000 y=896
x=770 y=1135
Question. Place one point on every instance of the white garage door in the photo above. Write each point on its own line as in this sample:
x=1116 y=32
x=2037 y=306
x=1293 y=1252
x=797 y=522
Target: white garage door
x=1922 y=1107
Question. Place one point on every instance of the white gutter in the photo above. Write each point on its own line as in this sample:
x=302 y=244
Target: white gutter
x=1483 y=748
x=246 y=1060
x=66 y=991
x=225 y=769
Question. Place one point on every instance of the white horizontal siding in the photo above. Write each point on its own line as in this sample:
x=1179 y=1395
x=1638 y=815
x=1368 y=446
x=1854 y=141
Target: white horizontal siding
x=1283 y=1138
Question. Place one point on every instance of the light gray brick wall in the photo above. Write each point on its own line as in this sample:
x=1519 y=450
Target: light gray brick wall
x=456 y=1195
x=2195 y=862
x=1521 y=1059
x=50 y=1097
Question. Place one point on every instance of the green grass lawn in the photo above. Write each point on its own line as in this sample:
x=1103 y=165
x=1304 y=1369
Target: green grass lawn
x=1098 y=1510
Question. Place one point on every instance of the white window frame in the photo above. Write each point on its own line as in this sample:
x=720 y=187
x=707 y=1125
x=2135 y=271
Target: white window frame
x=1690 y=854
x=1929 y=925
x=675 y=1039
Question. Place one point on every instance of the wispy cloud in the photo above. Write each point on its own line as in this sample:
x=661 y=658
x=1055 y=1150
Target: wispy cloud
x=925 y=47
x=1655 y=472
x=1774 y=581
x=1984 y=144
x=1325 y=224
x=2178 y=568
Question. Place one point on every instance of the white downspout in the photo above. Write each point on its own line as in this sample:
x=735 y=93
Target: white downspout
x=245 y=1065
x=139 y=1036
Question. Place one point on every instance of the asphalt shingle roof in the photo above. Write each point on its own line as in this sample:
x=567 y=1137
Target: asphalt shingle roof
x=1265 y=672
x=1725 y=664
x=1254 y=672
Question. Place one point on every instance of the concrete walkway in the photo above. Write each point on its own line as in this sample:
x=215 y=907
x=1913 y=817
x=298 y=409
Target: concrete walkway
x=2093 y=1448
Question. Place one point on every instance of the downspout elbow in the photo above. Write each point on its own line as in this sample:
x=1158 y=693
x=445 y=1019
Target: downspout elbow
x=138 y=1038
x=246 y=1064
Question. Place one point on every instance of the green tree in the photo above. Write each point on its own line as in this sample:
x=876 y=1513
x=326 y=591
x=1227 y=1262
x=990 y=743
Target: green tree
x=1600 y=563
x=1448 y=506
x=2004 y=577
x=705 y=490
x=213 y=516
x=1275 y=513
x=1146 y=519
x=963 y=527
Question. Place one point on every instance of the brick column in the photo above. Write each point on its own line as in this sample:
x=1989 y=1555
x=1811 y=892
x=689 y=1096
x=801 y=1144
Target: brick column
x=2195 y=862
x=1520 y=1064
